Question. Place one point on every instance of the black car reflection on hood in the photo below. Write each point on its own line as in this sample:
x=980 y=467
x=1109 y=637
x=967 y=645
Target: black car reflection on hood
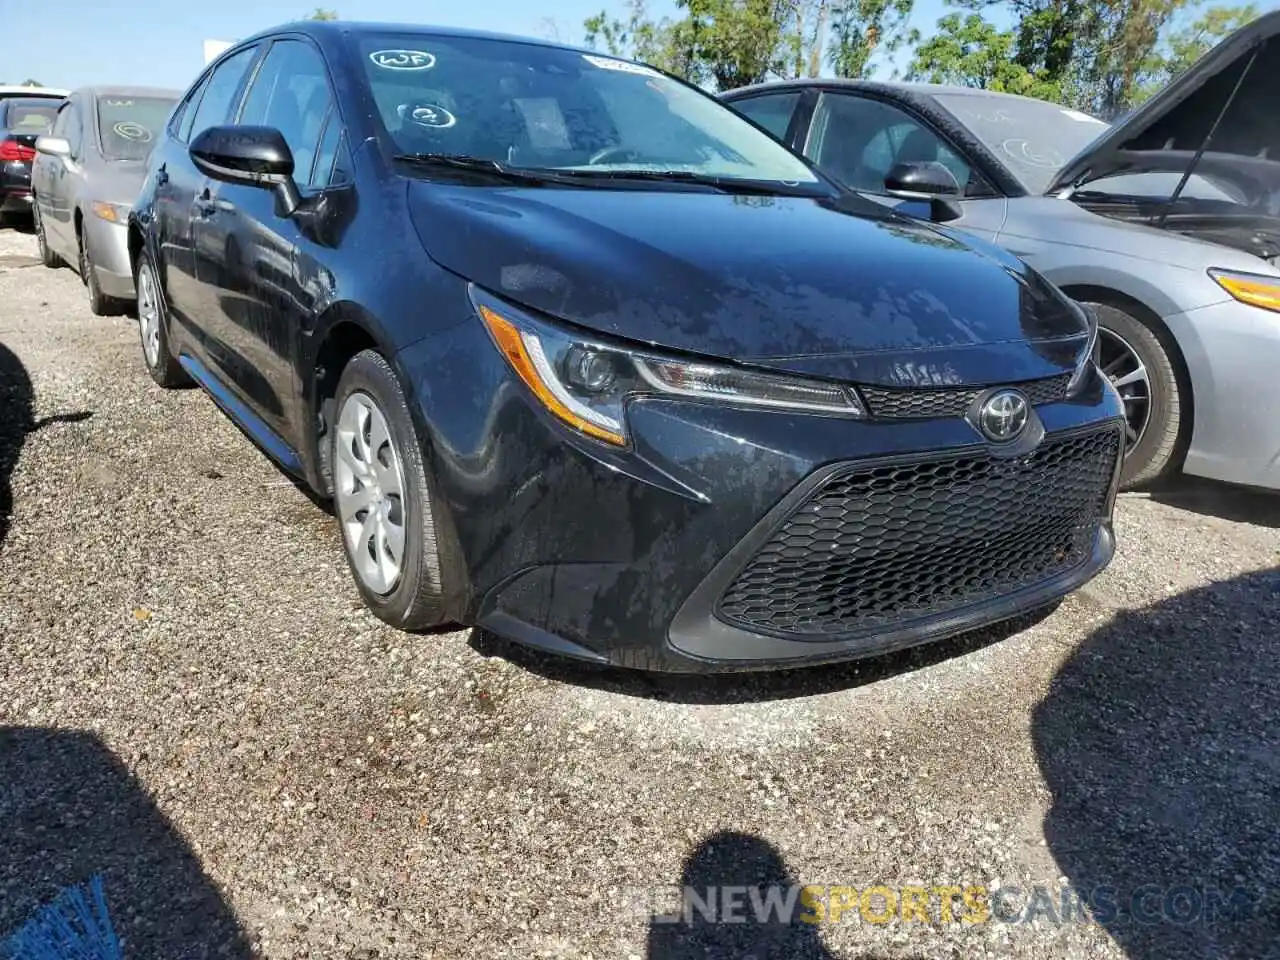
x=800 y=287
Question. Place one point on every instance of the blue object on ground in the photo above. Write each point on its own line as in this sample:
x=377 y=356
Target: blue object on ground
x=74 y=926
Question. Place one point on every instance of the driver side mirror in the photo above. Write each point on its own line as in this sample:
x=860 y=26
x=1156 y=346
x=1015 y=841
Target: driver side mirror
x=54 y=147
x=249 y=155
x=926 y=180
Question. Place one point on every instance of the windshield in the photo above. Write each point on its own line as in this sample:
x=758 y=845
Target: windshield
x=1034 y=139
x=130 y=125
x=31 y=116
x=524 y=105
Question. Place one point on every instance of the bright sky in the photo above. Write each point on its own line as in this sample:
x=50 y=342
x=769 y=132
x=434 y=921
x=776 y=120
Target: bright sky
x=72 y=43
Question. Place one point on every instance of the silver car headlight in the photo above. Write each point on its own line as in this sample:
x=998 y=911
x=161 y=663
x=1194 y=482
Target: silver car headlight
x=1089 y=361
x=586 y=382
x=111 y=212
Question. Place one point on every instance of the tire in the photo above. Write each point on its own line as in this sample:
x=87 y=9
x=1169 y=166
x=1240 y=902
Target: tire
x=100 y=304
x=153 y=327
x=47 y=256
x=415 y=599
x=1157 y=451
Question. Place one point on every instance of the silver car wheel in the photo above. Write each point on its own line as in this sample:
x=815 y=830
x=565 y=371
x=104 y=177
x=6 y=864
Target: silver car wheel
x=149 y=315
x=369 y=488
x=1128 y=374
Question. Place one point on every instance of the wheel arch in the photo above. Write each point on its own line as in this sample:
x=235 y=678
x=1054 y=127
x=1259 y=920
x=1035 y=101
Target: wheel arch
x=343 y=330
x=1151 y=318
x=1127 y=303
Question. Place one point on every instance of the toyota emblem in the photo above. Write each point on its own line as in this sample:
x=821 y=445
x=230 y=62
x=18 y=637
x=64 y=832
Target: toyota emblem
x=1004 y=415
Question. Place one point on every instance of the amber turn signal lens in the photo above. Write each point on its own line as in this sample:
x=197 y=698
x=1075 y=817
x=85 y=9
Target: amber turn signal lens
x=512 y=344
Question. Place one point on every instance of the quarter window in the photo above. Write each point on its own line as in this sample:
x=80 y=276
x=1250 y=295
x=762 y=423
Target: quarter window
x=220 y=92
x=291 y=93
x=771 y=110
x=858 y=141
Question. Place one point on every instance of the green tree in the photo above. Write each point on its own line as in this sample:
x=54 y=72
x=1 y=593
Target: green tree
x=661 y=43
x=31 y=83
x=861 y=28
x=322 y=13
x=968 y=50
x=1184 y=46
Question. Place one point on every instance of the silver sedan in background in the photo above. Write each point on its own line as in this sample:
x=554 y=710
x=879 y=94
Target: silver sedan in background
x=1167 y=222
x=87 y=173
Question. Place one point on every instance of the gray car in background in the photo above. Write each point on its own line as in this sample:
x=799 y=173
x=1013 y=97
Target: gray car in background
x=1167 y=222
x=88 y=171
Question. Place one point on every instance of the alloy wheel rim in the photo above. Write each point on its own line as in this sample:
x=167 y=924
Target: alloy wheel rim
x=369 y=489
x=148 y=316
x=1122 y=365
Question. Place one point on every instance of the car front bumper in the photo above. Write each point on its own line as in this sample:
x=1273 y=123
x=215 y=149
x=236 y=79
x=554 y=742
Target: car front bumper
x=109 y=243
x=680 y=553
x=1232 y=351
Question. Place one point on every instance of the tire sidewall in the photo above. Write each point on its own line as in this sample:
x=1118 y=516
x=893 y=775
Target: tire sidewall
x=416 y=597
x=98 y=301
x=1155 y=454
x=47 y=256
x=159 y=369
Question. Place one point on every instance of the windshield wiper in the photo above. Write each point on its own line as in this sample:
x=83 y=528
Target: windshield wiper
x=480 y=165
x=733 y=185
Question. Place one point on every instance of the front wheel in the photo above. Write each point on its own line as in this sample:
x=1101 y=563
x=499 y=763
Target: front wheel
x=1141 y=366
x=381 y=497
x=100 y=304
x=47 y=256
x=153 y=328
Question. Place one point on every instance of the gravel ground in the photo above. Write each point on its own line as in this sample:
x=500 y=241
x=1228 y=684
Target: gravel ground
x=194 y=703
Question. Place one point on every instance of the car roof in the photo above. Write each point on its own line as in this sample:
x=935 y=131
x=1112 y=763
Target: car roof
x=332 y=28
x=38 y=93
x=114 y=91
x=899 y=87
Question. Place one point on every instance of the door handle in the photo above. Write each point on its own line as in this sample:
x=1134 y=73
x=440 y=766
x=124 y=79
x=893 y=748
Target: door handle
x=204 y=204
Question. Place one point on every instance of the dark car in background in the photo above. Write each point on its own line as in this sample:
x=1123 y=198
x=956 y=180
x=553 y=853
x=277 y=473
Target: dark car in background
x=88 y=171
x=587 y=360
x=22 y=120
x=1167 y=222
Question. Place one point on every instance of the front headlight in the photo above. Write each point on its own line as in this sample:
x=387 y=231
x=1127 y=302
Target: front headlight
x=1255 y=289
x=1090 y=359
x=586 y=382
x=111 y=212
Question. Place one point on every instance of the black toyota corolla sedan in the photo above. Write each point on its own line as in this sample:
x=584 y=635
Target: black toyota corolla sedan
x=586 y=359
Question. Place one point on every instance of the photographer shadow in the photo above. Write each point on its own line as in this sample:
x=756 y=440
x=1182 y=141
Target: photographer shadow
x=723 y=861
x=1159 y=743
x=70 y=810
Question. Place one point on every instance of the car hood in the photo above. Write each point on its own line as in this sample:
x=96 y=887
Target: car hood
x=833 y=288
x=1240 y=74
x=115 y=181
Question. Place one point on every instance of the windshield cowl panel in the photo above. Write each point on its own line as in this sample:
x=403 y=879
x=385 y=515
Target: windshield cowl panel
x=542 y=108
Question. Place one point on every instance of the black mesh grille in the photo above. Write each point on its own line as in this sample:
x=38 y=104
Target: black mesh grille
x=885 y=404
x=880 y=546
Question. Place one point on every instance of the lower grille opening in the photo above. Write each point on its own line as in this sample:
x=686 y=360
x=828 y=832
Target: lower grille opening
x=881 y=545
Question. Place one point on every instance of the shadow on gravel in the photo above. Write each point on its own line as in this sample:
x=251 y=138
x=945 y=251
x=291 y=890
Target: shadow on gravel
x=17 y=421
x=1241 y=504
x=726 y=860
x=1159 y=743
x=753 y=686
x=68 y=810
